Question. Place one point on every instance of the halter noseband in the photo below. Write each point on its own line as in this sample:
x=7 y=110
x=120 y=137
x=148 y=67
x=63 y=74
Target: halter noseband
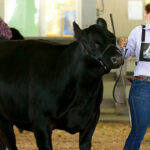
x=100 y=58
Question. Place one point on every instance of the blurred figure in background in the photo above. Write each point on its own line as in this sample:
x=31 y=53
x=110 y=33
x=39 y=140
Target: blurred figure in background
x=122 y=42
x=5 y=32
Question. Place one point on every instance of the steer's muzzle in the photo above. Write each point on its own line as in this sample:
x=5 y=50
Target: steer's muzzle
x=117 y=61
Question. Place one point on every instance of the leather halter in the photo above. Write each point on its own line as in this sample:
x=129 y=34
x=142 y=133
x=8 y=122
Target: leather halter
x=100 y=58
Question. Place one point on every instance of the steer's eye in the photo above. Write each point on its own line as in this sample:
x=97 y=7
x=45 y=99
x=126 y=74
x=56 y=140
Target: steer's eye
x=97 y=44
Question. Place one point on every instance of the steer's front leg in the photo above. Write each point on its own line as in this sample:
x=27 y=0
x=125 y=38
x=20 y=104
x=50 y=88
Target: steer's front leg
x=42 y=133
x=85 y=136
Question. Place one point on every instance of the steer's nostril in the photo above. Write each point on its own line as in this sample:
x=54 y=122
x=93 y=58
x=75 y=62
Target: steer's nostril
x=114 y=60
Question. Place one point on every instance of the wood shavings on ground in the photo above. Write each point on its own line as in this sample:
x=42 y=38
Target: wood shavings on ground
x=107 y=136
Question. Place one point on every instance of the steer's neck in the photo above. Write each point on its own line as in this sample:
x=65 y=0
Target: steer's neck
x=92 y=63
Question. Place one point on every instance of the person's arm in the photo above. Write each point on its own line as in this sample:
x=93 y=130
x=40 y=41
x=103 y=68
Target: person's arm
x=128 y=46
x=5 y=32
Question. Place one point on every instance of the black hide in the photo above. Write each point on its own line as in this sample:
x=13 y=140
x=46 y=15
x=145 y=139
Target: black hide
x=45 y=86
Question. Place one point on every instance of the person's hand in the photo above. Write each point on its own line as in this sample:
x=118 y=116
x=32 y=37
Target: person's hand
x=123 y=42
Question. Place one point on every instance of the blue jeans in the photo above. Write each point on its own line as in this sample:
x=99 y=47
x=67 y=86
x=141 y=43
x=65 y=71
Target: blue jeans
x=139 y=102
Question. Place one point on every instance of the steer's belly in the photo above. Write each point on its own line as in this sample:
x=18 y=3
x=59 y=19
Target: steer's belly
x=14 y=113
x=24 y=126
x=21 y=121
x=75 y=121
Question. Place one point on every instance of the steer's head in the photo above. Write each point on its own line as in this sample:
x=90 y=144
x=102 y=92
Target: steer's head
x=100 y=44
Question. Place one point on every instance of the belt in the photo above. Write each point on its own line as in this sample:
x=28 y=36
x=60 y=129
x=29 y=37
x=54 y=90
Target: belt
x=142 y=78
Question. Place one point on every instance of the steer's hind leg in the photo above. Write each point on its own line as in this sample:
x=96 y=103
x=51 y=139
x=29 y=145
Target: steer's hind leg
x=7 y=136
x=2 y=146
x=42 y=133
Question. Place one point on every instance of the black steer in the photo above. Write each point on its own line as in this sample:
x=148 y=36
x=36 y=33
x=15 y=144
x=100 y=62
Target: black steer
x=45 y=86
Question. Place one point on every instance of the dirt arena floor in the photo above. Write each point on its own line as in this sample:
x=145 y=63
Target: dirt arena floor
x=107 y=136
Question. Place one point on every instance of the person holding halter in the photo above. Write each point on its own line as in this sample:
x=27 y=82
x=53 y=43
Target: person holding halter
x=139 y=96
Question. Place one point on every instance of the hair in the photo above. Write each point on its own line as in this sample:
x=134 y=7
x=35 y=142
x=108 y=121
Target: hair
x=147 y=8
x=102 y=22
x=16 y=35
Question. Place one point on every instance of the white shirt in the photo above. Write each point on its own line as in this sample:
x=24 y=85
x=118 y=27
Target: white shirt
x=133 y=49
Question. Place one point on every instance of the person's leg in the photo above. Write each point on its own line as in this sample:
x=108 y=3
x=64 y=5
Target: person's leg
x=139 y=101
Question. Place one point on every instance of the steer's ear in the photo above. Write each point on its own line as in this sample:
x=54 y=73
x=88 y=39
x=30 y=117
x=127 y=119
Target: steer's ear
x=77 y=31
x=101 y=22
